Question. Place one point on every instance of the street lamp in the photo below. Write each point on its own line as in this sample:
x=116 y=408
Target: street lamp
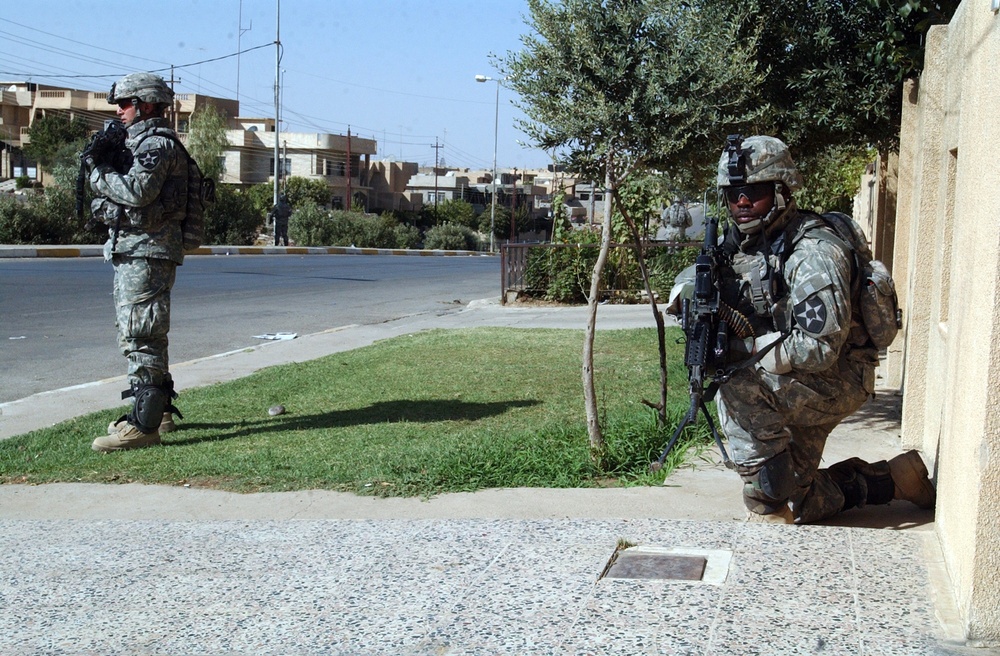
x=496 y=123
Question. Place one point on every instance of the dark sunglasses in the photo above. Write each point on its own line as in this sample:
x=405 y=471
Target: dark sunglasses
x=754 y=192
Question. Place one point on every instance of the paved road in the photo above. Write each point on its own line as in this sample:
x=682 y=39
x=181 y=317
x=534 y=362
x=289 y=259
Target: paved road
x=57 y=323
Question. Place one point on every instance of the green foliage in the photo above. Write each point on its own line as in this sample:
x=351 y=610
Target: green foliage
x=207 y=141
x=834 y=70
x=643 y=199
x=262 y=197
x=232 y=220
x=45 y=219
x=50 y=133
x=312 y=225
x=407 y=236
x=449 y=237
x=832 y=178
x=302 y=190
x=616 y=84
x=562 y=273
x=22 y=182
x=458 y=212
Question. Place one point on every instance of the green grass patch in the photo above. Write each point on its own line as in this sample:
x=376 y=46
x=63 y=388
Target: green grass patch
x=423 y=414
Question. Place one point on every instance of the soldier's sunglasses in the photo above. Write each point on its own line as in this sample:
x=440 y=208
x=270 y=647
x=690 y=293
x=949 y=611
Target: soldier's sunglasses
x=754 y=192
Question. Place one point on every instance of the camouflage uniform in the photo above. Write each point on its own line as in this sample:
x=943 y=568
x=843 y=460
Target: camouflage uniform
x=824 y=376
x=143 y=203
x=143 y=208
x=676 y=220
x=790 y=278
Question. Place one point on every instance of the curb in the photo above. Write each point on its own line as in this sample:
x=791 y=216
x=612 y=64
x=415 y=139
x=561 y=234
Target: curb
x=98 y=251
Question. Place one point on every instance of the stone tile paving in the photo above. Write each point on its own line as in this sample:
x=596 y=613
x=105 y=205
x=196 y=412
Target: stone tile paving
x=454 y=587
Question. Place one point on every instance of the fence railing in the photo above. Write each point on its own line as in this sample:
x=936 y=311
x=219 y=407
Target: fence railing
x=514 y=264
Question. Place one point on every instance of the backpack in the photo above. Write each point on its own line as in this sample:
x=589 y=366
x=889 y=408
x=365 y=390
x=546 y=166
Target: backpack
x=200 y=196
x=873 y=291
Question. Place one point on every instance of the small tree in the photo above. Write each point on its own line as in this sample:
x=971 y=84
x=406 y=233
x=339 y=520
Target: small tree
x=299 y=190
x=617 y=85
x=49 y=134
x=457 y=211
x=207 y=141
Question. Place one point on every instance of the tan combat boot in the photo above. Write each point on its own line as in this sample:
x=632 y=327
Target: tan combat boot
x=910 y=480
x=126 y=436
x=167 y=425
x=781 y=516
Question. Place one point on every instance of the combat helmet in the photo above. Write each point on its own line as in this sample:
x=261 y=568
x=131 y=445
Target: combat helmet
x=147 y=87
x=760 y=159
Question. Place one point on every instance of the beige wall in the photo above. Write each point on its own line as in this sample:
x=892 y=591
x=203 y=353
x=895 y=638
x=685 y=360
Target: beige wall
x=951 y=291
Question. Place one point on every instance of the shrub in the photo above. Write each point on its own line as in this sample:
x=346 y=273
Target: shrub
x=233 y=219
x=562 y=273
x=450 y=237
x=312 y=225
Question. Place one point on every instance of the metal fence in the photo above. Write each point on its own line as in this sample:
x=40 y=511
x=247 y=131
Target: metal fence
x=514 y=264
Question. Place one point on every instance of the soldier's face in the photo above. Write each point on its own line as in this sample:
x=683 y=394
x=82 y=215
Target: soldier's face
x=750 y=202
x=126 y=112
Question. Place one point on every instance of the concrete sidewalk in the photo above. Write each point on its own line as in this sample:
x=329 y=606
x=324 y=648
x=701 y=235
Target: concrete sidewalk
x=131 y=569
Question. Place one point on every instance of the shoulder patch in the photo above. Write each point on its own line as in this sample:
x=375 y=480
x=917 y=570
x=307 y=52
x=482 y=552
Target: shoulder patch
x=150 y=158
x=811 y=315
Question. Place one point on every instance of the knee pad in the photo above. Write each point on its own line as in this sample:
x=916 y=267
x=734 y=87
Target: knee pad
x=770 y=485
x=150 y=403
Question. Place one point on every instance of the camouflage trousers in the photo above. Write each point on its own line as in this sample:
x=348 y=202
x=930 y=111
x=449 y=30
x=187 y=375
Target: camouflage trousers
x=142 y=315
x=764 y=415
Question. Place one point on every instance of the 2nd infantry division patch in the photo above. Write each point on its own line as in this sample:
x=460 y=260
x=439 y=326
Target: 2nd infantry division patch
x=810 y=314
x=150 y=158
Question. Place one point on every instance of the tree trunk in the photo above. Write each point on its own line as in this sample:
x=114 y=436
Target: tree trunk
x=640 y=256
x=589 y=392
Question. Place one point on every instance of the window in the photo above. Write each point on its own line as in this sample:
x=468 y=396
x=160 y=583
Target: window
x=332 y=167
x=286 y=168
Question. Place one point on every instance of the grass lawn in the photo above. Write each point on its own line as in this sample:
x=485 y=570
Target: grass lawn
x=433 y=412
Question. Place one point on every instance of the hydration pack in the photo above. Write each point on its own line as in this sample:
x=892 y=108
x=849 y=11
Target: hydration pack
x=873 y=292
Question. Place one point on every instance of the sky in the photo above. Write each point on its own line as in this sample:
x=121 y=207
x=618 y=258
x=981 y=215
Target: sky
x=401 y=72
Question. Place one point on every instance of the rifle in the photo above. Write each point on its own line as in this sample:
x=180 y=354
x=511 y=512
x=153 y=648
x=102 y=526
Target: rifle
x=105 y=147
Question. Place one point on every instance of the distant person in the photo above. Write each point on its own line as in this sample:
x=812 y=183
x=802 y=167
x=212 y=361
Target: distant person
x=141 y=194
x=279 y=214
x=676 y=220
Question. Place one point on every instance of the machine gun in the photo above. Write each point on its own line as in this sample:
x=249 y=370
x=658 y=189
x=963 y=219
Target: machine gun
x=707 y=323
x=105 y=147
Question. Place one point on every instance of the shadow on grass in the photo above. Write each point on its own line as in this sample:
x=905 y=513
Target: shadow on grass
x=383 y=412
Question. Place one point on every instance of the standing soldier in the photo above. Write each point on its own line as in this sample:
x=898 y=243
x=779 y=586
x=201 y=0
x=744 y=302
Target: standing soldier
x=676 y=219
x=279 y=214
x=143 y=203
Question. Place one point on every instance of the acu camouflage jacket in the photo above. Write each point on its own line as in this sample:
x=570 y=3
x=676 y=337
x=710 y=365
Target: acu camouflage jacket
x=144 y=206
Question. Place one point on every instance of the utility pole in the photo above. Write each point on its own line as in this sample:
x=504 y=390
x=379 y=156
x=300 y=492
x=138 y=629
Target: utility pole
x=348 y=168
x=513 y=206
x=239 y=48
x=175 y=105
x=277 y=98
x=436 y=148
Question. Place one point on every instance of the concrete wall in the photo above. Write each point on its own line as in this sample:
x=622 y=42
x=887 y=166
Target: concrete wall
x=951 y=289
